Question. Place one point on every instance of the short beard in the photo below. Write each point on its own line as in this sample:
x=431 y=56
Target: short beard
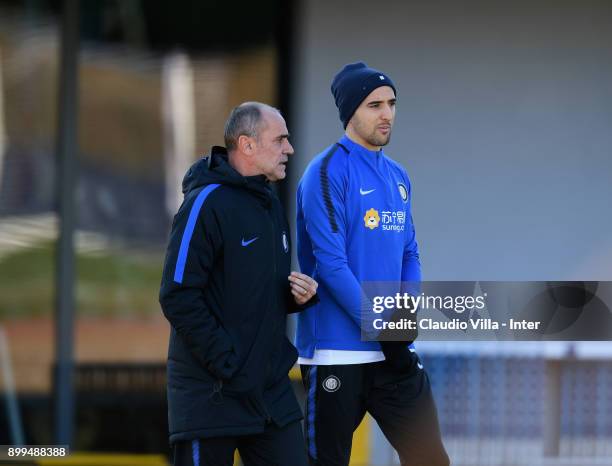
x=378 y=140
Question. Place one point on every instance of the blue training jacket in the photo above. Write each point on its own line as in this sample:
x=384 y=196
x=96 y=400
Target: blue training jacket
x=353 y=225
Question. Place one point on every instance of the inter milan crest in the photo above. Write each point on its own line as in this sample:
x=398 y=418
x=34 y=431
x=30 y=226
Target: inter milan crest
x=403 y=191
x=331 y=384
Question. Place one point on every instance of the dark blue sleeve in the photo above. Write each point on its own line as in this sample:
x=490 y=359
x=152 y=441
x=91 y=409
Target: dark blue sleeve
x=195 y=240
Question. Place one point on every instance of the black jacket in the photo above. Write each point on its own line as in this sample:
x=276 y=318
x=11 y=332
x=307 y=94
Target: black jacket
x=225 y=292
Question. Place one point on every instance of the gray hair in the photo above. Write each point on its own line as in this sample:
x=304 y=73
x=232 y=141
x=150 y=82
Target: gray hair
x=245 y=120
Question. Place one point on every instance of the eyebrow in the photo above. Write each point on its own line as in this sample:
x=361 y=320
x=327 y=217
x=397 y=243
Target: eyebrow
x=394 y=100
x=283 y=136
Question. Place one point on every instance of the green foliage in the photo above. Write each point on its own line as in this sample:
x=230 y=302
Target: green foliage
x=110 y=284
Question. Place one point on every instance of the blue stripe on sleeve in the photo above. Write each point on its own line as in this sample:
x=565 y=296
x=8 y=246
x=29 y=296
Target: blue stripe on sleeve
x=195 y=451
x=193 y=216
x=312 y=389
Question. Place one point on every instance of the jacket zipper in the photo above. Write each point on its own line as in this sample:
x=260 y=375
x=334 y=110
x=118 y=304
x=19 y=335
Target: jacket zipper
x=266 y=413
x=216 y=397
x=263 y=403
x=275 y=273
x=273 y=243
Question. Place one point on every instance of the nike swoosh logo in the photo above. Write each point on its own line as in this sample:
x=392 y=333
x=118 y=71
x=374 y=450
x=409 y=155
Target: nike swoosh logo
x=246 y=243
x=363 y=193
x=419 y=365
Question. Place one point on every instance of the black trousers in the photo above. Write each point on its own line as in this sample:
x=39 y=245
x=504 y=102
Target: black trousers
x=274 y=447
x=337 y=398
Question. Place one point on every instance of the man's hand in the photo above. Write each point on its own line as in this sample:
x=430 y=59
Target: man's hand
x=400 y=357
x=302 y=287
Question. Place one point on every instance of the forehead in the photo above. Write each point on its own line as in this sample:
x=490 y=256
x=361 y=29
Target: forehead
x=274 y=122
x=382 y=93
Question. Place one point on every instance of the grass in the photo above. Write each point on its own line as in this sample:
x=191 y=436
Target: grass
x=118 y=283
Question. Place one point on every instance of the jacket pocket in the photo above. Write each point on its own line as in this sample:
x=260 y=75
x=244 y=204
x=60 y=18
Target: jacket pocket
x=253 y=402
x=250 y=377
x=247 y=379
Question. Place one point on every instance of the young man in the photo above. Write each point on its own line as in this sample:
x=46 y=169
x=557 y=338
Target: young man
x=354 y=225
x=226 y=290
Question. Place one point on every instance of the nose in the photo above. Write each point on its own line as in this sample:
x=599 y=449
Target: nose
x=288 y=147
x=387 y=113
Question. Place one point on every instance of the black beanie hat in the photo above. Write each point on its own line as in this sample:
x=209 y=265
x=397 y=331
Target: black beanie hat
x=354 y=83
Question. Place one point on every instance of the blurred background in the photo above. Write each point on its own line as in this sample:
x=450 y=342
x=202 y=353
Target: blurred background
x=504 y=124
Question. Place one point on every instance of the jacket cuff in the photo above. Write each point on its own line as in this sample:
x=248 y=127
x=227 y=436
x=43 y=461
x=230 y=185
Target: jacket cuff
x=301 y=307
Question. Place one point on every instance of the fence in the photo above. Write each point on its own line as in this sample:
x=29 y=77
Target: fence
x=511 y=410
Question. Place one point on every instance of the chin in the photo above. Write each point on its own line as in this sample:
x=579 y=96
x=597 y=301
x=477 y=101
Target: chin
x=379 y=142
x=276 y=177
x=384 y=141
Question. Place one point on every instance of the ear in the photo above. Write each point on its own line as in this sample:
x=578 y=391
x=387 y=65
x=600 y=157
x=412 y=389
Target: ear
x=246 y=144
x=350 y=125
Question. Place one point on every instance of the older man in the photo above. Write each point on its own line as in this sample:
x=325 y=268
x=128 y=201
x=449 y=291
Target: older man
x=226 y=290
